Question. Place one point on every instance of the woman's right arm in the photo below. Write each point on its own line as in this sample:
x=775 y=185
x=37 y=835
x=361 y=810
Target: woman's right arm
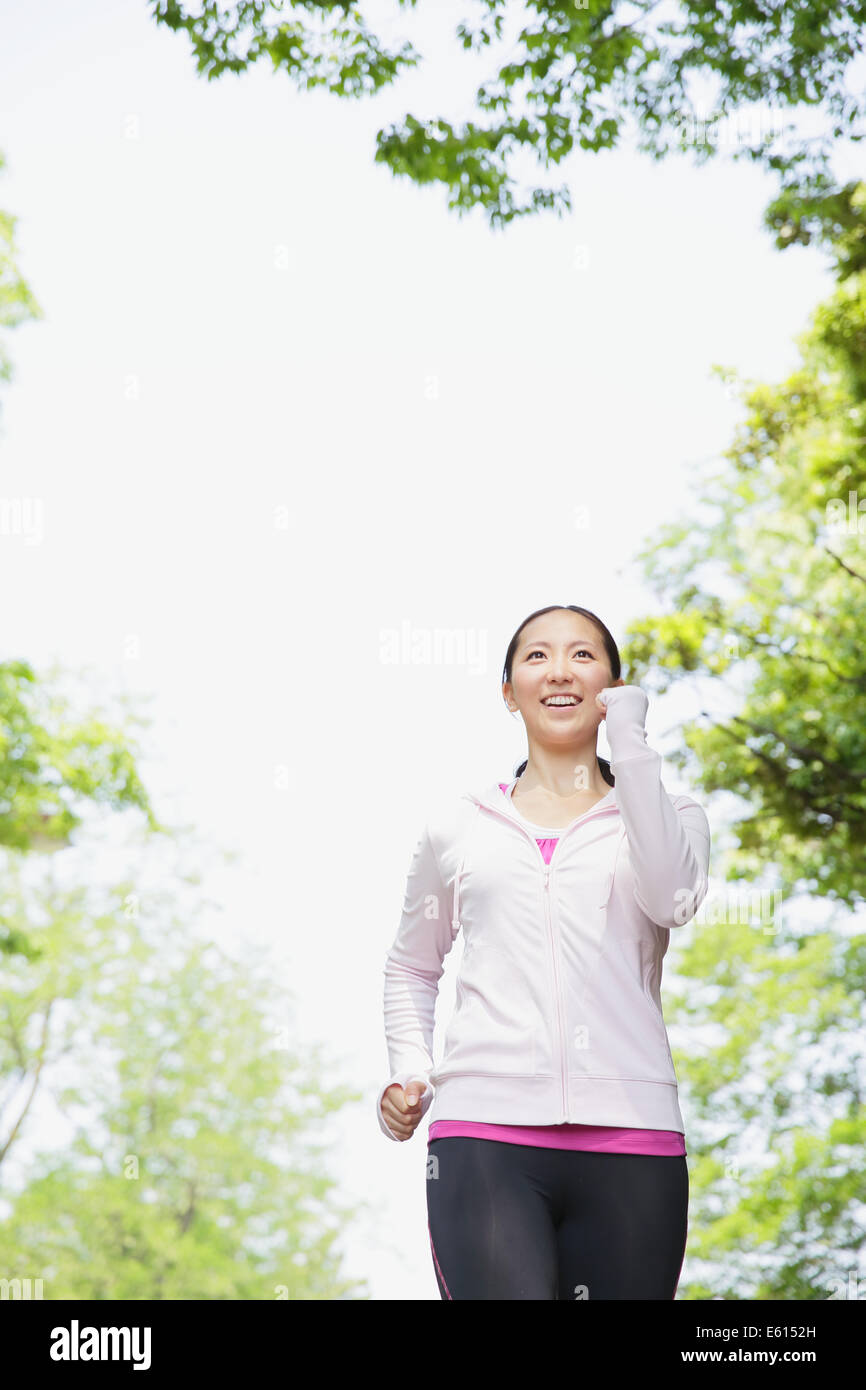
x=413 y=968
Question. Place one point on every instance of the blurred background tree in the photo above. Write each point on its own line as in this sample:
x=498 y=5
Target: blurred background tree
x=195 y=1167
x=55 y=766
x=764 y=591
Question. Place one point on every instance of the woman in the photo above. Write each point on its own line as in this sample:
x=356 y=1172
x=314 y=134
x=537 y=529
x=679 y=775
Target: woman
x=556 y=1152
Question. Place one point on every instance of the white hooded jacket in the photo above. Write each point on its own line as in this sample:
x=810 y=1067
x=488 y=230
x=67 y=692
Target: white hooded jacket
x=558 y=1016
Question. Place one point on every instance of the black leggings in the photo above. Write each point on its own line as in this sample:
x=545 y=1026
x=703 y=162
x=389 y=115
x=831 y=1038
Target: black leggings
x=514 y=1221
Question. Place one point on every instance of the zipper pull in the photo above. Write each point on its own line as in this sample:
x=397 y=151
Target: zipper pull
x=547 y=875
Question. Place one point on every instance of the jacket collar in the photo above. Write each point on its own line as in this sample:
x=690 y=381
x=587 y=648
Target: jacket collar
x=494 y=799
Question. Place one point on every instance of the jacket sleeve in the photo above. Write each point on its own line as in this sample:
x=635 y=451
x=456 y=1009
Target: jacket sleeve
x=669 y=846
x=413 y=968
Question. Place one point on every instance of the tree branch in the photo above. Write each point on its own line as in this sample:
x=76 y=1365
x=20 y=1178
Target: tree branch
x=840 y=561
x=807 y=754
x=771 y=643
x=839 y=805
x=36 y=1075
x=187 y=1216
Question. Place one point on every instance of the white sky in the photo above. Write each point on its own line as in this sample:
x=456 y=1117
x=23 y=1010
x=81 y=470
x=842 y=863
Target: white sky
x=282 y=403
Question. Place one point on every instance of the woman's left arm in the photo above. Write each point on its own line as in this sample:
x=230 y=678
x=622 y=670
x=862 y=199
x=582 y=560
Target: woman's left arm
x=669 y=847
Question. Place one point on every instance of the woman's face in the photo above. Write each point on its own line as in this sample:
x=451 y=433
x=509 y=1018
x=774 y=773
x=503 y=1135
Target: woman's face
x=559 y=653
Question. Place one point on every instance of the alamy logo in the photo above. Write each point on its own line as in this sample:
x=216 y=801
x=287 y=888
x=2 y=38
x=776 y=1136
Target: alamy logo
x=20 y=1288
x=102 y=1344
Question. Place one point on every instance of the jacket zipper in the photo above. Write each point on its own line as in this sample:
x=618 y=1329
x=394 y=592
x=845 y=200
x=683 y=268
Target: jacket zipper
x=546 y=868
x=563 y=1059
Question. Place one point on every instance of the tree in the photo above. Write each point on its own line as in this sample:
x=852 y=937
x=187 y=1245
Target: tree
x=772 y=1068
x=763 y=593
x=784 y=530
x=194 y=1170
x=56 y=763
x=575 y=76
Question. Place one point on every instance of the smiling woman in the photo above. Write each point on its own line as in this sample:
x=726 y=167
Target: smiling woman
x=555 y=668
x=556 y=1151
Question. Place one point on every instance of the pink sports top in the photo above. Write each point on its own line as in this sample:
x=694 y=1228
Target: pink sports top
x=605 y=1138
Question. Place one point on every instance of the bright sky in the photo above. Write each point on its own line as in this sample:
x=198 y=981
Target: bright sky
x=282 y=406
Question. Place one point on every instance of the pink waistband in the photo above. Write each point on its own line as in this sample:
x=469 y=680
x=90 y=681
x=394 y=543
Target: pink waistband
x=602 y=1138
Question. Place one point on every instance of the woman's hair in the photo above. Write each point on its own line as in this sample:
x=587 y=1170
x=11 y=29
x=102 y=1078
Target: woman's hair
x=609 y=646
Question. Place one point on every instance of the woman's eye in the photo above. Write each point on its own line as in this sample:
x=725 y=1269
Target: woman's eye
x=580 y=651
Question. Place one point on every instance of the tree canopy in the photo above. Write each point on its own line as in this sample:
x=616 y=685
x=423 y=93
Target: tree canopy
x=782 y=525
x=566 y=76
x=55 y=761
x=762 y=586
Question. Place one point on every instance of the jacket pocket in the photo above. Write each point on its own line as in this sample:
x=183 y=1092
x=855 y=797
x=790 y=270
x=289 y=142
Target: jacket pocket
x=498 y=1024
x=628 y=1039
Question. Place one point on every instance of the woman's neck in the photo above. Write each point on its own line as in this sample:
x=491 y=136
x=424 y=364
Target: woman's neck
x=556 y=783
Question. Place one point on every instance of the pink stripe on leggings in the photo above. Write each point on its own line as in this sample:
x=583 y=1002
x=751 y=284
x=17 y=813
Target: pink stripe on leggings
x=436 y=1262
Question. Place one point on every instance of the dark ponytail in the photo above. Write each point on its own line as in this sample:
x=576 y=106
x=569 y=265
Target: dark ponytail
x=612 y=656
x=603 y=767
